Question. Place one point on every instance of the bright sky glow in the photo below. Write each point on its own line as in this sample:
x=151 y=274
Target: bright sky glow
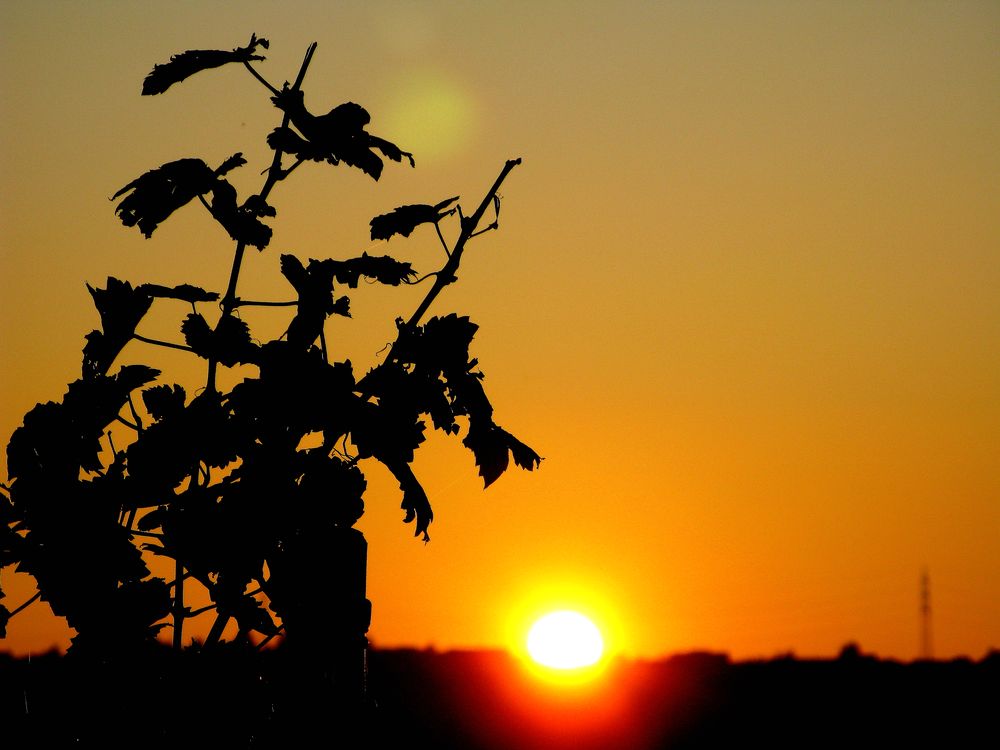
x=565 y=640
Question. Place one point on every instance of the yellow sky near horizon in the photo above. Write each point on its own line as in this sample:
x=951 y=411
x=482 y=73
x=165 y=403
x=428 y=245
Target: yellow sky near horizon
x=742 y=299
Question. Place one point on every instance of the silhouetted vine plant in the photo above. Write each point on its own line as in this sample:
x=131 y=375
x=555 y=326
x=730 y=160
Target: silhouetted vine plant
x=218 y=482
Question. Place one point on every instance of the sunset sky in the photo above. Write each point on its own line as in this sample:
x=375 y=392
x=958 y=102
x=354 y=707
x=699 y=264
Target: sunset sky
x=743 y=299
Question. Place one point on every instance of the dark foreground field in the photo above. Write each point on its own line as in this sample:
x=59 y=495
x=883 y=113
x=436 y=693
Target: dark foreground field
x=424 y=699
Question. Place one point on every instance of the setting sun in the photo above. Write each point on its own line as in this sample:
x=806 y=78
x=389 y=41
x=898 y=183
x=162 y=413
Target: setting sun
x=565 y=640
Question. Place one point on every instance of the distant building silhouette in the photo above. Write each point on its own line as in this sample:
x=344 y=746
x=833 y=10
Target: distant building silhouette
x=926 y=645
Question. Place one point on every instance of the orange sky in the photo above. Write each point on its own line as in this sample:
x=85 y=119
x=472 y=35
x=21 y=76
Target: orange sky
x=743 y=299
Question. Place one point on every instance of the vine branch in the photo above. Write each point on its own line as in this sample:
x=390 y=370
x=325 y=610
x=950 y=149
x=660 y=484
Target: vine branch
x=259 y=77
x=447 y=274
x=125 y=422
x=27 y=604
x=157 y=342
x=274 y=174
x=254 y=303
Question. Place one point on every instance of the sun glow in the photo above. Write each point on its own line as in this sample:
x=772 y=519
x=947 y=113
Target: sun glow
x=565 y=640
x=564 y=632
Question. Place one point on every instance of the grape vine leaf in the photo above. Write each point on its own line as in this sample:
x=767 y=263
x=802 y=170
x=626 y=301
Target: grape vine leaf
x=492 y=446
x=332 y=487
x=121 y=308
x=164 y=402
x=234 y=161
x=156 y=194
x=241 y=222
x=404 y=219
x=415 y=503
x=229 y=343
x=182 y=292
x=314 y=286
x=381 y=268
x=186 y=64
x=338 y=136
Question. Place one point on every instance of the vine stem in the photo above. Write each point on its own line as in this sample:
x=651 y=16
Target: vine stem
x=157 y=342
x=259 y=77
x=202 y=610
x=249 y=303
x=27 y=604
x=274 y=174
x=446 y=275
x=270 y=638
x=215 y=634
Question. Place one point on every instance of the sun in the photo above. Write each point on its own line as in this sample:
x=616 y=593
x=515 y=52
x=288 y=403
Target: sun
x=565 y=640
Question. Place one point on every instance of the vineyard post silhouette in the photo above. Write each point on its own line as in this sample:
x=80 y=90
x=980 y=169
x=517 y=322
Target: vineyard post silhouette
x=251 y=493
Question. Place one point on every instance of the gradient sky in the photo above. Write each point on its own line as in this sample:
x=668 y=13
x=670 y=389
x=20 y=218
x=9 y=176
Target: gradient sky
x=743 y=299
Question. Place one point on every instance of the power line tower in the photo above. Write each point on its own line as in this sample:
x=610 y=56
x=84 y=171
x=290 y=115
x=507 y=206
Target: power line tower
x=926 y=648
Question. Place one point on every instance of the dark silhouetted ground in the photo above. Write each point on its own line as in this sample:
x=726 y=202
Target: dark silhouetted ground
x=424 y=699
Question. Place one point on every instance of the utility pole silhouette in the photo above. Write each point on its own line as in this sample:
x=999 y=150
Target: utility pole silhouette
x=926 y=648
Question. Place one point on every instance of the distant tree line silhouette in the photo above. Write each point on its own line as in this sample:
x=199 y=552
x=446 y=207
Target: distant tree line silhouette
x=481 y=700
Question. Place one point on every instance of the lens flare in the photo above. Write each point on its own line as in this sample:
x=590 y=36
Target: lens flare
x=433 y=112
x=565 y=640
